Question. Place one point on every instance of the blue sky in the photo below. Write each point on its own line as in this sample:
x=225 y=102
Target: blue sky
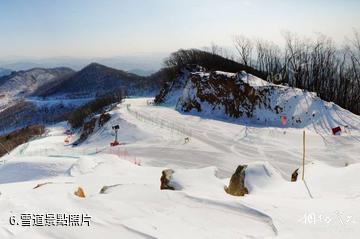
x=105 y=28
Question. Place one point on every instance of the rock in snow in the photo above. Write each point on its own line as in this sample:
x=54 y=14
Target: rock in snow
x=165 y=179
x=294 y=175
x=105 y=189
x=237 y=182
x=80 y=192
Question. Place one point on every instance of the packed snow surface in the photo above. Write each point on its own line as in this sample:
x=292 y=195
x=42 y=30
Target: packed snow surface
x=325 y=205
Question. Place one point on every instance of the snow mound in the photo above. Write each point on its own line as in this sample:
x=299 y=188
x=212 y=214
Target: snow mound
x=326 y=181
x=196 y=179
x=83 y=166
x=261 y=175
x=321 y=180
x=33 y=168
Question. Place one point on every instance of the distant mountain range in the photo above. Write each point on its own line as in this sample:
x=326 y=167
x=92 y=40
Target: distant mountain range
x=140 y=64
x=26 y=82
x=18 y=85
x=42 y=95
x=141 y=72
x=4 y=72
x=96 y=79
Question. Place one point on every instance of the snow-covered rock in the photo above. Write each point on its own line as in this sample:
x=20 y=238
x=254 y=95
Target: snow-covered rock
x=242 y=96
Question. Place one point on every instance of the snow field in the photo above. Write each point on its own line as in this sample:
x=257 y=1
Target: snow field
x=135 y=207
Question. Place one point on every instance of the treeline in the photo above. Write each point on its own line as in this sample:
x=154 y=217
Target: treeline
x=210 y=60
x=79 y=115
x=316 y=65
x=20 y=136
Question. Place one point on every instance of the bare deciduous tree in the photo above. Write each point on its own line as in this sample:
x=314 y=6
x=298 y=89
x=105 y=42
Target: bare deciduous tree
x=244 y=47
x=312 y=64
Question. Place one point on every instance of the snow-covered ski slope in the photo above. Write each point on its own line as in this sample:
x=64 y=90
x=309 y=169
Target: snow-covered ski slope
x=327 y=206
x=225 y=145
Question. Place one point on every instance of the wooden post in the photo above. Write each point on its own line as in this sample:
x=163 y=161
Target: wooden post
x=303 y=163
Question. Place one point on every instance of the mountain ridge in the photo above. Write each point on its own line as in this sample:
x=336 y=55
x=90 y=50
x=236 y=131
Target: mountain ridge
x=20 y=84
x=97 y=79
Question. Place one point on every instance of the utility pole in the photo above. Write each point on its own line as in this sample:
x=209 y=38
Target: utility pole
x=303 y=163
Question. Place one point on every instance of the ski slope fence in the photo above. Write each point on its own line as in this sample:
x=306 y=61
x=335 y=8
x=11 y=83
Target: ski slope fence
x=119 y=151
x=172 y=126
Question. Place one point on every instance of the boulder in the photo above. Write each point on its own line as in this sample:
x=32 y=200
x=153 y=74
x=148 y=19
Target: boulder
x=80 y=192
x=294 y=175
x=165 y=179
x=237 y=182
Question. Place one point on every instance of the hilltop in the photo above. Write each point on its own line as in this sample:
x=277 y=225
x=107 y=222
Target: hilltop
x=244 y=98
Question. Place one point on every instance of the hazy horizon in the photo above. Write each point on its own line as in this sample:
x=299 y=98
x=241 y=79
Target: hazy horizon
x=147 y=62
x=39 y=30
